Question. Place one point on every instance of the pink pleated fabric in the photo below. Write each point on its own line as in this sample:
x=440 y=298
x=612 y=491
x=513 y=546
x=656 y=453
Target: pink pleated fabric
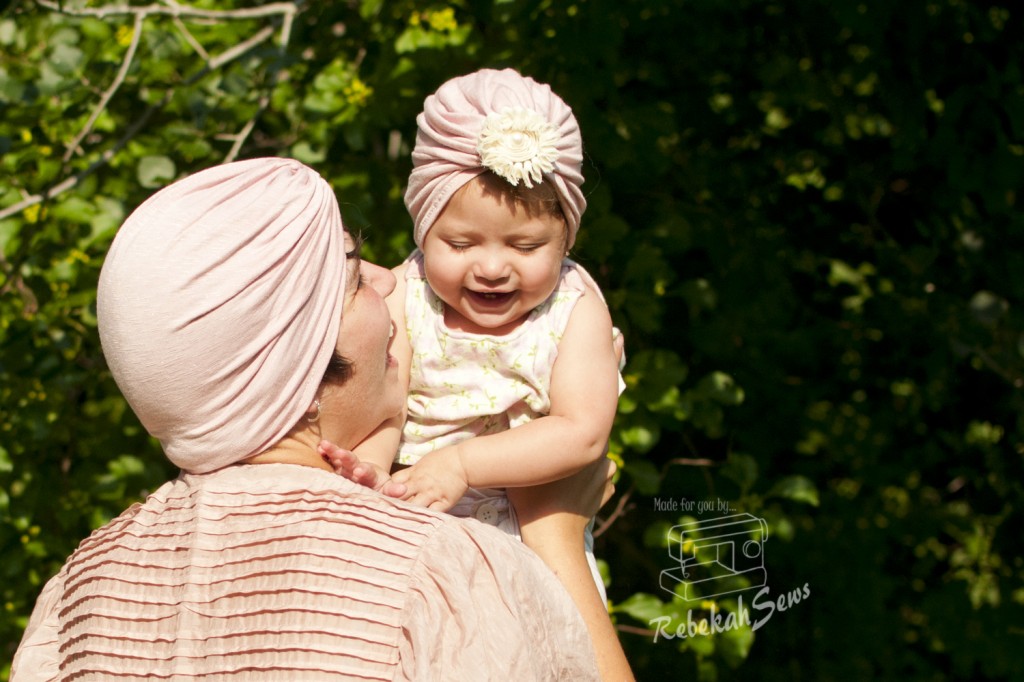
x=219 y=304
x=285 y=572
x=445 y=156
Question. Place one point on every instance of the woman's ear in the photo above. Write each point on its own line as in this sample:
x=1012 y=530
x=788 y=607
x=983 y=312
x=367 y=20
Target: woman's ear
x=313 y=413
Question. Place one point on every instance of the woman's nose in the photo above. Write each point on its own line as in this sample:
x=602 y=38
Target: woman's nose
x=381 y=279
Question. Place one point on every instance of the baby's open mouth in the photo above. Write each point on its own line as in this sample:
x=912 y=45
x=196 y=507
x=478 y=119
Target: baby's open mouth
x=491 y=296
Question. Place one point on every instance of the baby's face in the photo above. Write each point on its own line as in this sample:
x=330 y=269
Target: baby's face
x=491 y=260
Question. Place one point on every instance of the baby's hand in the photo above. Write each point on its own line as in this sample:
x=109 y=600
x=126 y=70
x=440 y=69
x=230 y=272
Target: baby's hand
x=437 y=481
x=348 y=465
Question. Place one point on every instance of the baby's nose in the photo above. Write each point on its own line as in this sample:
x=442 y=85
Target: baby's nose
x=492 y=265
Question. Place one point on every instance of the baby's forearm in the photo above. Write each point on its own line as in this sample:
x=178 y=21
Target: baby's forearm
x=379 y=447
x=544 y=450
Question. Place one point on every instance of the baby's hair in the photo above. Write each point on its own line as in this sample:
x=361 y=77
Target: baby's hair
x=539 y=200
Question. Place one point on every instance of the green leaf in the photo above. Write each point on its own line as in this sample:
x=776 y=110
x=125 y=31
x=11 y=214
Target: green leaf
x=155 y=171
x=66 y=58
x=735 y=645
x=721 y=388
x=370 y=8
x=654 y=376
x=7 y=31
x=702 y=645
x=108 y=217
x=988 y=308
x=9 y=237
x=305 y=153
x=640 y=437
x=796 y=488
x=656 y=534
x=75 y=209
x=643 y=607
x=699 y=295
x=645 y=475
x=741 y=469
x=11 y=90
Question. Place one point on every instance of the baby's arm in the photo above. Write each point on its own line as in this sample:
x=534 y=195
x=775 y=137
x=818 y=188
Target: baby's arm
x=368 y=463
x=584 y=396
x=379 y=448
x=553 y=528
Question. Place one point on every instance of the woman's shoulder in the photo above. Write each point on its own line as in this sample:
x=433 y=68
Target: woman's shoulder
x=292 y=484
x=266 y=499
x=505 y=612
x=266 y=513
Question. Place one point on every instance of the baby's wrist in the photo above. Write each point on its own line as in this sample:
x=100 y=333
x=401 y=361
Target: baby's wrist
x=462 y=460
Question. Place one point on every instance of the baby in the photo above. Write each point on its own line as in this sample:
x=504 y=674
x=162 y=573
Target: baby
x=506 y=343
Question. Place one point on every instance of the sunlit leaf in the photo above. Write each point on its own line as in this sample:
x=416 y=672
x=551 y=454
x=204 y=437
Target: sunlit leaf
x=155 y=171
x=797 y=489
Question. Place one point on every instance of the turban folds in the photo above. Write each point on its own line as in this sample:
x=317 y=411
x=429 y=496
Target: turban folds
x=446 y=155
x=219 y=305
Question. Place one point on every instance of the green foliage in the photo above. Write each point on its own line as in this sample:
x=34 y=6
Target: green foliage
x=804 y=216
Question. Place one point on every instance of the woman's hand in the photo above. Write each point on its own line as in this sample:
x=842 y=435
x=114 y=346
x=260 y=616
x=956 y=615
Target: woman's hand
x=437 y=481
x=348 y=465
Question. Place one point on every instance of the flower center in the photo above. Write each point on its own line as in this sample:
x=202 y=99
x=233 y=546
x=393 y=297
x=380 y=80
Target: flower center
x=519 y=145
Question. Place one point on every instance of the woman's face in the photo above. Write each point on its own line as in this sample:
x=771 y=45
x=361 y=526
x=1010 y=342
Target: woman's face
x=373 y=393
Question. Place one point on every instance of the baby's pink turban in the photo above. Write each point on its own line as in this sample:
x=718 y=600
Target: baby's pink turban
x=219 y=305
x=447 y=154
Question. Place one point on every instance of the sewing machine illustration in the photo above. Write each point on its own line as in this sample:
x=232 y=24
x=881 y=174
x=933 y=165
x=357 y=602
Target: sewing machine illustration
x=716 y=557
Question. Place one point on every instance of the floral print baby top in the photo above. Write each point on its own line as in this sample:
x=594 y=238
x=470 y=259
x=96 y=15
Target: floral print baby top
x=463 y=385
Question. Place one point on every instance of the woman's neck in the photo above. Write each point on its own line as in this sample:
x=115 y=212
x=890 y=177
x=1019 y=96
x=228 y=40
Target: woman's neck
x=291 y=450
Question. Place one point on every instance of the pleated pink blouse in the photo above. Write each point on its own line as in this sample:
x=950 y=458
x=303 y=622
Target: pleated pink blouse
x=284 y=572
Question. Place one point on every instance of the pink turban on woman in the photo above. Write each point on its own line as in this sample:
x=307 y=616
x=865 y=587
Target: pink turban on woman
x=497 y=120
x=219 y=305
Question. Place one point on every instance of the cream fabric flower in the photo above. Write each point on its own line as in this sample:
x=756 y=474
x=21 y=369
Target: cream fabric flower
x=449 y=145
x=519 y=145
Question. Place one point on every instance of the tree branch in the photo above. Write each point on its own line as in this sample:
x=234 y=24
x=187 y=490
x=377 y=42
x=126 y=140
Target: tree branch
x=693 y=462
x=633 y=630
x=234 y=53
x=173 y=9
x=122 y=73
x=191 y=39
x=243 y=134
x=620 y=509
x=287 y=10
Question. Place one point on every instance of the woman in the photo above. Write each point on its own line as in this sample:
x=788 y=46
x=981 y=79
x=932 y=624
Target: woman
x=243 y=329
